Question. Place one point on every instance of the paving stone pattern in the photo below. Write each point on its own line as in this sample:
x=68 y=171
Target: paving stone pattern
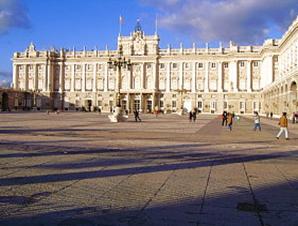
x=78 y=169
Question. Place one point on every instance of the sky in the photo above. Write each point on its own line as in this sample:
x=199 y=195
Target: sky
x=95 y=23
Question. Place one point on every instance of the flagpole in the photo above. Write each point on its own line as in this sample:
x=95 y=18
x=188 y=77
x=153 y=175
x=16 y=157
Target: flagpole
x=120 y=25
x=156 y=24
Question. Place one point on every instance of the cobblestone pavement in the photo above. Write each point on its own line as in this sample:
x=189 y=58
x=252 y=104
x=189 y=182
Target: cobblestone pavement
x=78 y=169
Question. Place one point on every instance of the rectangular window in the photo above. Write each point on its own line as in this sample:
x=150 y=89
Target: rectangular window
x=161 y=103
x=162 y=65
x=242 y=105
x=213 y=65
x=174 y=65
x=241 y=63
x=225 y=105
x=200 y=104
x=226 y=65
x=256 y=63
x=200 y=65
x=173 y=103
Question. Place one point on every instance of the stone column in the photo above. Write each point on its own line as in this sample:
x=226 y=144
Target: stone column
x=154 y=72
x=61 y=77
x=236 y=77
x=45 y=79
x=128 y=102
x=220 y=77
x=206 y=85
x=106 y=77
x=143 y=75
x=168 y=84
x=94 y=85
x=193 y=77
x=49 y=85
x=84 y=77
x=153 y=101
x=73 y=68
x=26 y=77
x=35 y=76
x=129 y=78
x=180 y=85
x=141 y=102
x=15 y=76
x=248 y=74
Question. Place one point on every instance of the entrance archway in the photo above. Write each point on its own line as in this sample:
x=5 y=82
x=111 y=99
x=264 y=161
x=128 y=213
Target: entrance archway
x=4 y=102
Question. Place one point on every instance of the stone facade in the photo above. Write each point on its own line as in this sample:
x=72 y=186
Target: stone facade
x=240 y=79
x=13 y=100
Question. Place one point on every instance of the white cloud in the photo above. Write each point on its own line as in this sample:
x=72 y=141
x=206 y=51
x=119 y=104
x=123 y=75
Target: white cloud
x=12 y=14
x=243 y=21
x=5 y=79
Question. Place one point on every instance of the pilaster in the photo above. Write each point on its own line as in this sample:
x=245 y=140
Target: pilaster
x=35 y=77
x=206 y=81
x=61 y=77
x=106 y=77
x=143 y=75
x=73 y=68
x=94 y=78
x=193 y=77
x=84 y=77
x=168 y=84
x=15 y=74
x=220 y=77
x=248 y=74
x=155 y=86
x=180 y=85
x=26 y=77
x=45 y=79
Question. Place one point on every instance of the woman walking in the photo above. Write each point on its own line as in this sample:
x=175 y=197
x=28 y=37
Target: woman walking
x=257 y=121
x=283 y=123
x=230 y=120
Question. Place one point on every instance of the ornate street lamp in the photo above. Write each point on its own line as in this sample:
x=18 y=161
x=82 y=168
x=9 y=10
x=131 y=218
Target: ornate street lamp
x=181 y=93
x=117 y=63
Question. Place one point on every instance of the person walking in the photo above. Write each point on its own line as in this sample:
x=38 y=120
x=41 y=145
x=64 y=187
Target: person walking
x=137 y=116
x=194 y=115
x=283 y=123
x=257 y=121
x=224 y=118
x=230 y=120
x=190 y=116
x=156 y=111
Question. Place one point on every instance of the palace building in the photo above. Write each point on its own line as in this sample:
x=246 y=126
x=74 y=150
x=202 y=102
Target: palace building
x=240 y=79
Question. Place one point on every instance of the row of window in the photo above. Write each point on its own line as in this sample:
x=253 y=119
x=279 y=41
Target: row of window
x=213 y=65
x=162 y=65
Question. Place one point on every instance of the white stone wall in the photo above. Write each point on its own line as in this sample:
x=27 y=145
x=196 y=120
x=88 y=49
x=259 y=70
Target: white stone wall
x=221 y=73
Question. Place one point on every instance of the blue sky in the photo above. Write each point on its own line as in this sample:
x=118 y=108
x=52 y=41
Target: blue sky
x=90 y=23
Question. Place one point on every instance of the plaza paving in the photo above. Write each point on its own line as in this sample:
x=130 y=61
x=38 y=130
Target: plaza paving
x=78 y=169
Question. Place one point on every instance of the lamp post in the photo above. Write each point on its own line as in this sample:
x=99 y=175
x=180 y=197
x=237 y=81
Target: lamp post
x=181 y=93
x=117 y=63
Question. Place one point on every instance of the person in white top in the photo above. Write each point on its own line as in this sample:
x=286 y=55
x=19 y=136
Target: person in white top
x=257 y=121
